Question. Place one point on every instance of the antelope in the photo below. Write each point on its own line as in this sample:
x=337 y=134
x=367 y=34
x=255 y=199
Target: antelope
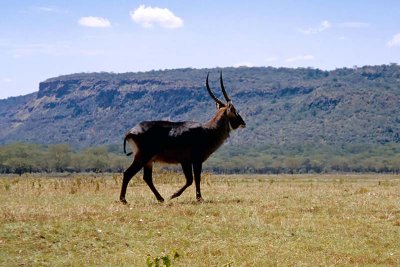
x=186 y=143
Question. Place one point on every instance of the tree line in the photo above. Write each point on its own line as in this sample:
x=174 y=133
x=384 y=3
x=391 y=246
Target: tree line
x=301 y=158
x=21 y=158
x=308 y=158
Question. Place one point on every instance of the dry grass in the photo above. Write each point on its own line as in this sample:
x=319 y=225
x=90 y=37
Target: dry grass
x=304 y=220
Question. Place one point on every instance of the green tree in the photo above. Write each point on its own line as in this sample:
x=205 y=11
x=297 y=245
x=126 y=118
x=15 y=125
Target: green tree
x=97 y=159
x=59 y=157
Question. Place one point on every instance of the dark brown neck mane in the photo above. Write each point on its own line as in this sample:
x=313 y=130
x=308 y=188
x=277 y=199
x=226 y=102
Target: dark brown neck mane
x=218 y=129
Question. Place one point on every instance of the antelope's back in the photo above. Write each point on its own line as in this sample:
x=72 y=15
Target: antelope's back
x=168 y=141
x=164 y=129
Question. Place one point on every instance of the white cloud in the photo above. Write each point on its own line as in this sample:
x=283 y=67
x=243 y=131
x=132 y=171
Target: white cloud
x=322 y=27
x=47 y=9
x=96 y=22
x=300 y=58
x=149 y=17
x=43 y=9
x=395 y=41
x=354 y=24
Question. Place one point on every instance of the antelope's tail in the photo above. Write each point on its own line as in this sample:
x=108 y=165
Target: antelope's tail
x=130 y=153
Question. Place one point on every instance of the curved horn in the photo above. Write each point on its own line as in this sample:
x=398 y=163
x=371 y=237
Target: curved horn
x=211 y=94
x=223 y=89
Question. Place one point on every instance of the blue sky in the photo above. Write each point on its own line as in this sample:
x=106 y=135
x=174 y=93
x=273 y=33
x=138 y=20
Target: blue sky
x=43 y=39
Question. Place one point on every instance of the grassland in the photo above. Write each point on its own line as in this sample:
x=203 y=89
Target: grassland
x=302 y=220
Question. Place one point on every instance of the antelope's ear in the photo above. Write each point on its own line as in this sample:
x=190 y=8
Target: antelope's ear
x=219 y=105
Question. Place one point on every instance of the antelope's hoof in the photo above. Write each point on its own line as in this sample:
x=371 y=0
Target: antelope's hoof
x=173 y=196
x=199 y=199
x=123 y=201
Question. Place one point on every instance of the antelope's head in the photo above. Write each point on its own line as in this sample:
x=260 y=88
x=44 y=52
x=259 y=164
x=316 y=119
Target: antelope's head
x=235 y=120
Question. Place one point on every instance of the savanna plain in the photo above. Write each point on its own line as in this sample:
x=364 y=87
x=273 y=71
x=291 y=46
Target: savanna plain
x=245 y=220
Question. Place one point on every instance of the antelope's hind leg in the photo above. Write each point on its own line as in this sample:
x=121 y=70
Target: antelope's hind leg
x=148 y=178
x=128 y=174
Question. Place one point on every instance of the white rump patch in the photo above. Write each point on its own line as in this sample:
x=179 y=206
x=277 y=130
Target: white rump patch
x=133 y=146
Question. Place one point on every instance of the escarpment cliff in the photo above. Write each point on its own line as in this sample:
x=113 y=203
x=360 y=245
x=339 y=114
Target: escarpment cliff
x=280 y=106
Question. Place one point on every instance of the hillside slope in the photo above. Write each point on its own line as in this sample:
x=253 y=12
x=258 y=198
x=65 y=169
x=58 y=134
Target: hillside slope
x=280 y=106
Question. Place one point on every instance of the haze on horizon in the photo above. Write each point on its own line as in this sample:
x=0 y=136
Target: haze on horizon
x=43 y=39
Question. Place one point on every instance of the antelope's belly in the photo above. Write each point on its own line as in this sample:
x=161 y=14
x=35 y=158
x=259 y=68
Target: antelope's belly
x=173 y=156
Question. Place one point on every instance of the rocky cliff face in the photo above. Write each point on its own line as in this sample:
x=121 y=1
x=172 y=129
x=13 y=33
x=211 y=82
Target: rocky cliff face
x=279 y=105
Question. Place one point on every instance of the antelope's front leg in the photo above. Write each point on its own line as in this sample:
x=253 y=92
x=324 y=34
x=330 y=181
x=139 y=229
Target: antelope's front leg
x=197 y=179
x=187 y=171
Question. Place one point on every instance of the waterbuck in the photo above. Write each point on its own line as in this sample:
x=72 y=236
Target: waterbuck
x=187 y=143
